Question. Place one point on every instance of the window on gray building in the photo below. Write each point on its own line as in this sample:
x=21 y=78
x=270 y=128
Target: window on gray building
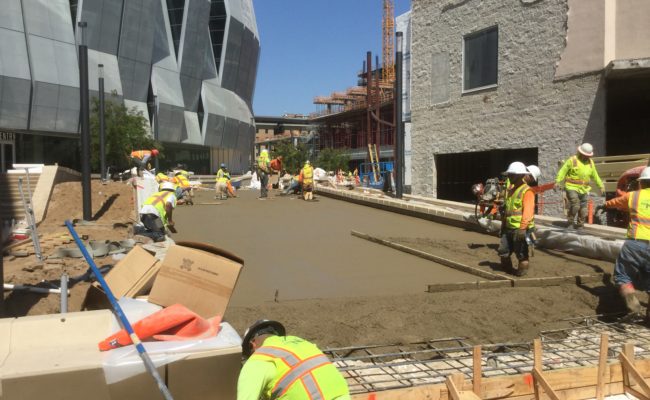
x=480 y=59
x=175 y=9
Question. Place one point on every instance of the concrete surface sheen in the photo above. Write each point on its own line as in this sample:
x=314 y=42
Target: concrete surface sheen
x=305 y=251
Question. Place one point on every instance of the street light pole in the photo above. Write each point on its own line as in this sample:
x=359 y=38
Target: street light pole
x=102 y=131
x=156 y=132
x=399 y=126
x=85 y=123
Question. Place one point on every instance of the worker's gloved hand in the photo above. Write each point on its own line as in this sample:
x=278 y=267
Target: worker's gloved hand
x=602 y=192
x=557 y=187
x=520 y=235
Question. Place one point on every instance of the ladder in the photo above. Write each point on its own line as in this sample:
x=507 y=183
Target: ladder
x=374 y=160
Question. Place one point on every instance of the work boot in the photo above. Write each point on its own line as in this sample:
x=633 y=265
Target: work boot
x=631 y=302
x=522 y=269
x=506 y=265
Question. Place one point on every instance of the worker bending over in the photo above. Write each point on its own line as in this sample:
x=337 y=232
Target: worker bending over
x=286 y=367
x=156 y=213
x=184 y=191
x=632 y=269
x=575 y=175
x=263 y=171
x=518 y=220
x=307 y=181
x=141 y=159
x=222 y=181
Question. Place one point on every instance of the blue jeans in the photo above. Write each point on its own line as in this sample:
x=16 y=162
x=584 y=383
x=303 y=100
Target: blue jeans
x=633 y=265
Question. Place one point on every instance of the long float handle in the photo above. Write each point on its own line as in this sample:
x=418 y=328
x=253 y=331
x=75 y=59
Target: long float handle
x=120 y=315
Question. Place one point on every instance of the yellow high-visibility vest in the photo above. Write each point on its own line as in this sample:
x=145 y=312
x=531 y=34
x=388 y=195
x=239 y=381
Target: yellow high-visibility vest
x=303 y=371
x=639 y=203
x=515 y=208
x=159 y=200
x=307 y=175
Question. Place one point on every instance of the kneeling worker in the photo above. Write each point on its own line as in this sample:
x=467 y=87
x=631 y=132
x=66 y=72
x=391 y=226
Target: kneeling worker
x=286 y=367
x=518 y=219
x=156 y=212
x=633 y=263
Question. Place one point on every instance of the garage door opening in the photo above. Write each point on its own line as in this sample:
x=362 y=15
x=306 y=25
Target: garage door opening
x=457 y=172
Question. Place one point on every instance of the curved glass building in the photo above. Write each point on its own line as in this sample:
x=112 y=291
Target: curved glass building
x=194 y=62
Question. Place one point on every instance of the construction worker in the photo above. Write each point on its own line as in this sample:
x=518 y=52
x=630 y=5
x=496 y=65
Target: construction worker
x=518 y=220
x=184 y=190
x=263 y=171
x=575 y=175
x=632 y=269
x=141 y=158
x=286 y=367
x=222 y=179
x=306 y=178
x=156 y=213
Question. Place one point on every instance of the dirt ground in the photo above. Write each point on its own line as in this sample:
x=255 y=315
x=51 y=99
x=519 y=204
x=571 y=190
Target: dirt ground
x=112 y=208
x=303 y=267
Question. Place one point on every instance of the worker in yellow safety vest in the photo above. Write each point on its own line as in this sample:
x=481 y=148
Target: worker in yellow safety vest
x=184 y=191
x=518 y=220
x=263 y=171
x=575 y=176
x=222 y=181
x=632 y=267
x=141 y=158
x=156 y=213
x=307 y=181
x=286 y=367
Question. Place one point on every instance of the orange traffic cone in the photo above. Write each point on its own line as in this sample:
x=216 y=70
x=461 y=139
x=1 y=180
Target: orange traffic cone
x=175 y=322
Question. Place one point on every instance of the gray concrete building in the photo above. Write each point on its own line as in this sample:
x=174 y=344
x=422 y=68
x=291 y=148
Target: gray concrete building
x=494 y=81
x=196 y=58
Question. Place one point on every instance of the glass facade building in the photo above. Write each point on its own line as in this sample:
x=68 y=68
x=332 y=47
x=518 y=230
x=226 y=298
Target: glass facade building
x=197 y=57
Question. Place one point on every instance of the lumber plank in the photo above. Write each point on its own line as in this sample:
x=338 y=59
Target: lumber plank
x=628 y=350
x=477 y=371
x=630 y=369
x=431 y=257
x=602 y=366
x=537 y=354
x=539 y=378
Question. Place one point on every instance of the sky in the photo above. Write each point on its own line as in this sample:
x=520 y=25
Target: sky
x=312 y=48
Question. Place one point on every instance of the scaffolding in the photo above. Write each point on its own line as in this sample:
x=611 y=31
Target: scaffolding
x=396 y=366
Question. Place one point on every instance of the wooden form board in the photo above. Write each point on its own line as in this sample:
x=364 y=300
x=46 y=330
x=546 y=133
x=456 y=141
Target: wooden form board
x=610 y=168
x=566 y=384
x=431 y=257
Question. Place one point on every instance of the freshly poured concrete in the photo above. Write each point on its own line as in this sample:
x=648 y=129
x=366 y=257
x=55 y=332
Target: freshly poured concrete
x=304 y=250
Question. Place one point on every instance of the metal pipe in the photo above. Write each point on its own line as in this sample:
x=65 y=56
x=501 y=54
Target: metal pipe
x=85 y=124
x=120 y=315
x=102 y=131
x=9 y=286
x=64 y=293
x=156 y=131
x=399 y=129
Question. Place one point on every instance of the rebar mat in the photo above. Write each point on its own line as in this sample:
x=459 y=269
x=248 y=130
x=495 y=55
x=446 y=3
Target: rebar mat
x=392 y=366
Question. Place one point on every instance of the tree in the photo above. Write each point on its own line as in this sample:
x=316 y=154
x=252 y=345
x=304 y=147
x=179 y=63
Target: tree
x=126 y=130
x=333 y=159
x=293 y=157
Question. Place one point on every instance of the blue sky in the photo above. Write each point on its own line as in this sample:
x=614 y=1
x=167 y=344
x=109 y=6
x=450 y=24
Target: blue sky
x=312 y=48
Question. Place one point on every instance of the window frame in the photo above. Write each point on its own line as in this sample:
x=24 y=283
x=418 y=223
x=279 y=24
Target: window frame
x=462 y=81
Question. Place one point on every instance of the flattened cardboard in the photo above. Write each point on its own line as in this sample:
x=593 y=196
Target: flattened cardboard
x=199 y=276
x=129 y=271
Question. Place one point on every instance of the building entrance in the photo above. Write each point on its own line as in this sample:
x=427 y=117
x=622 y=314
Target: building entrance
x=7 y=151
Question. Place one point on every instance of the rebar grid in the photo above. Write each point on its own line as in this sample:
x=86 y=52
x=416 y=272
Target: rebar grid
x=383 y=367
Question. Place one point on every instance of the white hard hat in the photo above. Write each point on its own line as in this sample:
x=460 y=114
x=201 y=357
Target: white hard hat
x=534 y=171
x=168 y=186
x=516 y=168
x=264 y=151
x=645 y=174
x=586 y=149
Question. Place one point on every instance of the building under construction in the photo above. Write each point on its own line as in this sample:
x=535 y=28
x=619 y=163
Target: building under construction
x=362 y=118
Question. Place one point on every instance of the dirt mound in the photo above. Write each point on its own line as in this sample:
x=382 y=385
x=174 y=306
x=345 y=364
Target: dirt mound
x=111 y=204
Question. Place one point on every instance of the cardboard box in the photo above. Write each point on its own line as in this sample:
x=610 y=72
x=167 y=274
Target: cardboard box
x=199 y=276
x=56 y=357
x=132 y=276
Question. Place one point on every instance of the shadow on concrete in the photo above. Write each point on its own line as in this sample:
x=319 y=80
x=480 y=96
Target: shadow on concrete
x=105 y=207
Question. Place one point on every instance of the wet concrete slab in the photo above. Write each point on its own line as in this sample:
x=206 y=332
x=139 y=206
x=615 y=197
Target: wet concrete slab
x=304 y=250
